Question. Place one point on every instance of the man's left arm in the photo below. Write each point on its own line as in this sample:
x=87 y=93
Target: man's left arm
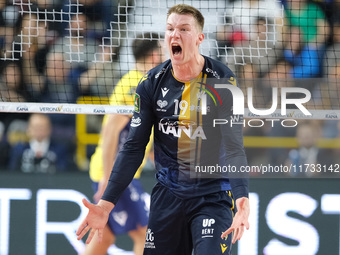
x=232 y=136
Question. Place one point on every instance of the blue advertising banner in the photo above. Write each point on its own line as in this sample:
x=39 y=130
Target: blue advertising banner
x=39 y=214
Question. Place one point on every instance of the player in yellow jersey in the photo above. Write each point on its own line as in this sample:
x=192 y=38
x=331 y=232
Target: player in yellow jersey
x=131 y=213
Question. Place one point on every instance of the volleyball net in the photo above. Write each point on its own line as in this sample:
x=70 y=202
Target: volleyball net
x=55 y=54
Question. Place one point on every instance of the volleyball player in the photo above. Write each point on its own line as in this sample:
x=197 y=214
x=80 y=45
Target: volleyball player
x=187 y=214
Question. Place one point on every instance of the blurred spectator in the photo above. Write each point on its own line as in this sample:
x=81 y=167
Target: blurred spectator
x=77 y=48
x=103 y=74
x=326 y=95
x=279 y=73
x=262 y=94
x=12 y=90
x=310 y=18
x=262 y=98
x=242 y=17
x=60 y=88
x=30 y=48
x=330 y=94
x=260 y=52
x=64 y=84
x=100 y=13
x=52 y=73
x=16 y=131
x=306 y=157
x=50 y=11
x=4 y=148
x=333 y=10
x=11 y=83
x=9 y=19
x=332 y=55
x=279 y=76
x=305 y=58
x=40 y=154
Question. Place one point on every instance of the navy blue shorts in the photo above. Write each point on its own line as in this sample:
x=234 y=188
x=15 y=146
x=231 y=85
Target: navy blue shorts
x=180 y=227
x=131 y=210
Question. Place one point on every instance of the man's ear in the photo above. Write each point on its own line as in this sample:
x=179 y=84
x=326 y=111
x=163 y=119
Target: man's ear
x=200 y=38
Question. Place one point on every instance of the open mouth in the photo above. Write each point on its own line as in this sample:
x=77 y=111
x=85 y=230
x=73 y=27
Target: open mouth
x=176 y=49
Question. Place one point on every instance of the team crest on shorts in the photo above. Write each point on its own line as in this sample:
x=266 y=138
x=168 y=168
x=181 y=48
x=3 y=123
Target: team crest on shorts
x=149 y=238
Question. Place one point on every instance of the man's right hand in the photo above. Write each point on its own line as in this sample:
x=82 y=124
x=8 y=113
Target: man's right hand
x=95 y=220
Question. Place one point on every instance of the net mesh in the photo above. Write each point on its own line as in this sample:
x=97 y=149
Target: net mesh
x=66 y=57
x=61 y=51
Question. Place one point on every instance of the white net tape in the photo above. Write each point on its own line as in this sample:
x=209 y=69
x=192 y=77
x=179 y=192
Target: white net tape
x=128 y=110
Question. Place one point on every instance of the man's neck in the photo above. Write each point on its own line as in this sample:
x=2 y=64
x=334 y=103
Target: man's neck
x=189 y=71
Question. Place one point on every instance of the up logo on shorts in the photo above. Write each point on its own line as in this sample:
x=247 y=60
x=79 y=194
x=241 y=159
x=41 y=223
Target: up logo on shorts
x=208 y=222
x=207 y=230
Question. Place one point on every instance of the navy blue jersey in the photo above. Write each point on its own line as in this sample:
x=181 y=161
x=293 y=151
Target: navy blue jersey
x=183 y=137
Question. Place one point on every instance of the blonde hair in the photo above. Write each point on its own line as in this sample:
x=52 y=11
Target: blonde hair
x=184 y=9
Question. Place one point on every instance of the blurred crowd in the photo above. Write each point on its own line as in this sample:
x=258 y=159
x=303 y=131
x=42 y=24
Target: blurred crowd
x=300 y=40
x=48 y=53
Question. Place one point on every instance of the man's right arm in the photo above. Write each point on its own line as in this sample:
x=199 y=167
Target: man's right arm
x=126 y=164
x=131 y=156
x=110 y=133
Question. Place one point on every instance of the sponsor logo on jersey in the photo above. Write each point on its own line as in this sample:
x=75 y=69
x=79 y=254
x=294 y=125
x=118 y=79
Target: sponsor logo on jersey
x=159 y=73
x=161 y=104
x=164 y=91
x=178 y=128
x=137 y=103
x=214 y=73
x=135 y=122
